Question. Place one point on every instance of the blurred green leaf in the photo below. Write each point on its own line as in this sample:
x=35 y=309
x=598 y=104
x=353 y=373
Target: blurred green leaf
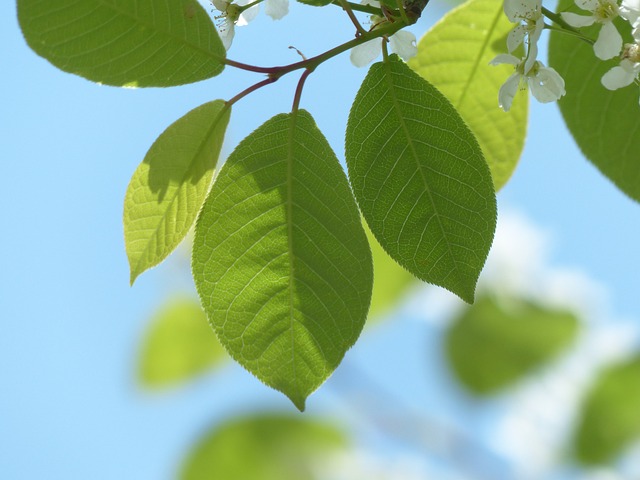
x=168 y=189
x=179 y=344
x=494 y=343
x=390 y=281
x=142 y=43
x=604 y=123
x=420 y=179
x=266 y=447
x=454 y=56
x=610 y=417
x=280 y=258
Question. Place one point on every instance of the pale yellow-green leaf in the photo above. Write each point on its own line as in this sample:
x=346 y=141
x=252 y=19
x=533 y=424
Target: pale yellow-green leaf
x=179 y=344
x=454 y=56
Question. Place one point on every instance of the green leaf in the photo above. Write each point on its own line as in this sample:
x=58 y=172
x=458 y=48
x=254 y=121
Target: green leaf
x=390 y=281
x=454 y=56
x=610 y=417
x=605 y=124
x=179 y=344
x=170 y=185
x=495 y=343
x=265 y=447
x=316 y=3
x=420 y=179
x=142 y=43
x=280 y=258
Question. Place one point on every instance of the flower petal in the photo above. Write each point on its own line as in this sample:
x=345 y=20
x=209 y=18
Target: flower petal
x=226 y=32
x=609 y=42
x=547 y=85
x=516 y=10
x=366 y=53
x=404 y=44
x=220 y=5
x=508 y=90
x=531 y=56
x=617 y=77
x=576 y=20
x=589 y=5
x=630 y=10
x=515 y=37
x=276 y=9
x=505 y=58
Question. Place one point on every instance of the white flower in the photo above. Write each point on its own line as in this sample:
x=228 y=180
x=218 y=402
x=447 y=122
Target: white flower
x=403 y=43
x=545 y=83
x=621 y=75
x=276 y=9
x=528 y=14
x=627 y=72
x=609 y=40
x=630 y=11
x=233 y=14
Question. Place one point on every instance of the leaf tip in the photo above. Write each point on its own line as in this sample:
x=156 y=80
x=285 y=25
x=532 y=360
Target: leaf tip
x=298 y=401
x=133 y=275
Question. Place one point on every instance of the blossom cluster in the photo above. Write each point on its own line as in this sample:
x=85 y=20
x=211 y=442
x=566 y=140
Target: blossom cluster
x=241 y=12
x=545 y=83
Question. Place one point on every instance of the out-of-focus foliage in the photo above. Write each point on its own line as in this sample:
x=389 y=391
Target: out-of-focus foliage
x=179 y=344
x=264 y=447
x=390 y=281
x=610 y=418
x=494 y=343
x=454 y=56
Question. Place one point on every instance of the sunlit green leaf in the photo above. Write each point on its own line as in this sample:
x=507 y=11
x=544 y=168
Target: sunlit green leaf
x=610 y=418
x=493 y=344
x=280 y=258
x=141 y=43
x=179 y=344
x=454 y=56
x=170 y=185
x=266 y=447
x=390 y=281
x=605 y=124
x=420 y=178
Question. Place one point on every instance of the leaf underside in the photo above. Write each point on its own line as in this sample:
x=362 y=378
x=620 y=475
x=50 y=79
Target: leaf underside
x=168 y=188
x=420 y=179
x=135 y=43
x=280 y=258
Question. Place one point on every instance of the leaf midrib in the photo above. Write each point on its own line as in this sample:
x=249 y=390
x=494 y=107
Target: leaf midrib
x=478 y=58
x=398 y=110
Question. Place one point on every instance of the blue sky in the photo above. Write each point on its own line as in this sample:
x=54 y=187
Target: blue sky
x=71 y=325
